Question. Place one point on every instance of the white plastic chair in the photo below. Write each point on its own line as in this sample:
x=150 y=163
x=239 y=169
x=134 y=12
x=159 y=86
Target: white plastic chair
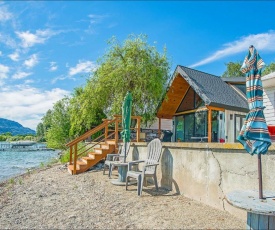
x=149 y=168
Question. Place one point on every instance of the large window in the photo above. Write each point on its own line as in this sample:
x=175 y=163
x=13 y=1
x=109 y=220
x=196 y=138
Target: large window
x=192 y=127
x=190 y=101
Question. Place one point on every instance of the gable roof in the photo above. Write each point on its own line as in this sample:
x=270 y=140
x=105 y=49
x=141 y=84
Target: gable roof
x=212 y=90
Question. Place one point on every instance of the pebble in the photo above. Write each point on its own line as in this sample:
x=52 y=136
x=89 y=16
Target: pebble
x=53 y=198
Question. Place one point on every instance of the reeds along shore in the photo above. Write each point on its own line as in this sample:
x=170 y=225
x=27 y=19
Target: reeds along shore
x=50 y=197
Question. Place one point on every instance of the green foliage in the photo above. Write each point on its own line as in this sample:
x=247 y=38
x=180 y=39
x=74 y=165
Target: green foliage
x=58 y=132
x=65 y=156
x=269 y=69
x=233 y=70
x=40 y=132
x=133 y=65
x=84 y=112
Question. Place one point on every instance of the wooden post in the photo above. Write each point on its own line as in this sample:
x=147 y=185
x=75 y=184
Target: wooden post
x=71 y=154
x=116 y=133
x=209 y=125
x=106 y=129
x=138 y=129
x=75 y=158
x=159 y=130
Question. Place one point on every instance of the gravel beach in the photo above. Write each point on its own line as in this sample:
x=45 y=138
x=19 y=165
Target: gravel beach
x=51 y=198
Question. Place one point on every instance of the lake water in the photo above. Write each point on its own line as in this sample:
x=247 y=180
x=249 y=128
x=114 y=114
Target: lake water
x=18 y=162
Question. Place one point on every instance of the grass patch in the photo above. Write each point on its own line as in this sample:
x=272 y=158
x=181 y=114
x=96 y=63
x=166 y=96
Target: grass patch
x=65 y=156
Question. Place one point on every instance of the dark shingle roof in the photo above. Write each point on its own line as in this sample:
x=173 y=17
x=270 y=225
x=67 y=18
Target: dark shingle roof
x=213 y=90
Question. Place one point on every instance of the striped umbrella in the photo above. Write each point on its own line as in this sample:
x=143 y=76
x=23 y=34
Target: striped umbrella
x=254 y=134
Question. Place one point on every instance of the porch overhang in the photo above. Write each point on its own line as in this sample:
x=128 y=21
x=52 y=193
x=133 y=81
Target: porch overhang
x=174 y=96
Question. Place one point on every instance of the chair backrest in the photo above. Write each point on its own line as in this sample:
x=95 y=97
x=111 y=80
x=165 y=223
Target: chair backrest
x=123 y=150
x=153 y=153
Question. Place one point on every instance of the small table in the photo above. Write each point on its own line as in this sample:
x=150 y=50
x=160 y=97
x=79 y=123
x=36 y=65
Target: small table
x=122 y=172
x=260 y=213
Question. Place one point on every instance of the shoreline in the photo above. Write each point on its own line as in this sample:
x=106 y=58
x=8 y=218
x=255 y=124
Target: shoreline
x=50 y=161
x=52 y=198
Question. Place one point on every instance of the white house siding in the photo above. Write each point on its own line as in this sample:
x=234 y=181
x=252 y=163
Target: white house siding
x=269 y=98
x=230 y=125
x=269 y=103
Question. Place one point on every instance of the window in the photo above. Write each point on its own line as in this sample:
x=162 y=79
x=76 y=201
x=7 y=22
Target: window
x=191 y=101
x=192 y=127
x=239 y=121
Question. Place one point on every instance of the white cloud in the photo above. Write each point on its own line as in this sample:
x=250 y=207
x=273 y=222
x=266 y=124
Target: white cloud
x=1 y=53
x=263 y=42
x=7 y=40
x=27 y=105
x=20 y=75
x=95 y=18
x=31 y=62
x=83 y=67
x=5 y=15
x=53 y=67
x=4 y=71
x=39 y=37
x=14 y=56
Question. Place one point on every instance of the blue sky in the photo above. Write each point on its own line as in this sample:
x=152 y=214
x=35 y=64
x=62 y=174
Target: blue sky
x=47 y=48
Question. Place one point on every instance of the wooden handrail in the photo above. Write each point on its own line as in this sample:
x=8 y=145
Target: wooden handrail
x=106 y=122
x=90 y=132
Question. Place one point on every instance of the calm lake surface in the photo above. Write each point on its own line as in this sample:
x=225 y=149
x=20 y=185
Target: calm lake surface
x=14 y=163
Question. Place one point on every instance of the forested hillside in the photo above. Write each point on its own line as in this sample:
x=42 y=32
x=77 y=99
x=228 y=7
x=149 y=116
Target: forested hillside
x=13 y=127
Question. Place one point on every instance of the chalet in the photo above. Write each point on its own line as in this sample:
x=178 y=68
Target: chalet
x=204 y=107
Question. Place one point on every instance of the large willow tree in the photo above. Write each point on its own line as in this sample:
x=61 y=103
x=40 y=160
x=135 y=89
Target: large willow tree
x=133 y=65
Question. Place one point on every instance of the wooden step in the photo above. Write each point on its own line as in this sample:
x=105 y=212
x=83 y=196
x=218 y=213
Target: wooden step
x=88 y=159
x=93 y=157
x=104 y=146
x=111 y=142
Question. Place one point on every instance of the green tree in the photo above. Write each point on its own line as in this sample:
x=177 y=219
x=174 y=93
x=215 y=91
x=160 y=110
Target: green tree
x=84 y=112
x=269 y=69
x=47 y=120
x=133 y=65
x=233 y=70
x=40 y=132
x=58 y=132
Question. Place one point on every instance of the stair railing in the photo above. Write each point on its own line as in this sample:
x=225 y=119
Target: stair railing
x=107 y=133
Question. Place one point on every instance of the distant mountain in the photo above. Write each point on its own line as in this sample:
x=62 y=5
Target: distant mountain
x=13 y=127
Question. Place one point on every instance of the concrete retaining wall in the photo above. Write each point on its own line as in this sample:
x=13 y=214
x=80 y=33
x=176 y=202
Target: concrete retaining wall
x=208 y=171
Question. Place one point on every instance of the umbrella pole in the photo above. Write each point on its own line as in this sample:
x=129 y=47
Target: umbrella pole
x=260 y=176
x=125 y=152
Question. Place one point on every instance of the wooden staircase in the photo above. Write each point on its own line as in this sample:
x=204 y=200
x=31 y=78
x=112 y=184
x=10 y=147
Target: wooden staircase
x=93 y=157
x=84 y=155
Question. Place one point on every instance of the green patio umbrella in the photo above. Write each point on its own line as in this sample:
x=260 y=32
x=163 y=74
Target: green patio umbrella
x=126 y=119
x=254 y=135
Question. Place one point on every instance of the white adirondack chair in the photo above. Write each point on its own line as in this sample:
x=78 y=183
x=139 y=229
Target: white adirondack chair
x=149 y=168
x=112 y=159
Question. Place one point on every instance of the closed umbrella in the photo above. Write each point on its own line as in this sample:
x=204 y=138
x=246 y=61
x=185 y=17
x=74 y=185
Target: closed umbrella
x=254 y=134
x=126 y=119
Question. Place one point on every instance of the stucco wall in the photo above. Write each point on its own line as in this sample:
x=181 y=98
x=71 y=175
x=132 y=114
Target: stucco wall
x=208 y=171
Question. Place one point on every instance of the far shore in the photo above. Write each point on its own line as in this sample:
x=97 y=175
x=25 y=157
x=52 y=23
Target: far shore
x=50 y=197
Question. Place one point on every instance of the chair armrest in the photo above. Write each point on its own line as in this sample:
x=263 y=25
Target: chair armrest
x=111 y=156
x=131 y=163
x=151 y=165
x=144 y=167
